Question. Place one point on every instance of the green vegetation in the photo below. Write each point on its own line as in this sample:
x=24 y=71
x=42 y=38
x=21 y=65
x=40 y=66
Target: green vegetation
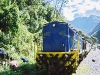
x=91 y=39
x=21 y=24
x=26 y=69
x=97 y=35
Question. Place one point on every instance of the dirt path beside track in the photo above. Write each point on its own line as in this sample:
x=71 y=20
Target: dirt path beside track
x=90 y=65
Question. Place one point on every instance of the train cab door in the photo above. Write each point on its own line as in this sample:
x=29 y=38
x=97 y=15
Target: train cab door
x=47 y=38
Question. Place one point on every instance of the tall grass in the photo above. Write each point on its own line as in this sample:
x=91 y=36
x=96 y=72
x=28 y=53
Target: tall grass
x=25 y=69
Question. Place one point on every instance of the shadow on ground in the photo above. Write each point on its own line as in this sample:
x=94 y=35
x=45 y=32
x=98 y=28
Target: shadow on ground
x=26 y=69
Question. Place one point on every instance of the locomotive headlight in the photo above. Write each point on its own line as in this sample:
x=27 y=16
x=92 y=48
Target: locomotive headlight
x=53 y=25
x=69 y=62
x=41 y=55
x=66 y=55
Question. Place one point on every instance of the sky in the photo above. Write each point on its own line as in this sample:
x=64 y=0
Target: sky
x=81 y=8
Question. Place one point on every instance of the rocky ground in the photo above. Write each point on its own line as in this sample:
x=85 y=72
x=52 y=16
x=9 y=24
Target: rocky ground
x=90 y=65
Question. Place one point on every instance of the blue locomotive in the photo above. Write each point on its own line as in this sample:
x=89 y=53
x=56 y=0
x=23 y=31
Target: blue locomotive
x=63 y=48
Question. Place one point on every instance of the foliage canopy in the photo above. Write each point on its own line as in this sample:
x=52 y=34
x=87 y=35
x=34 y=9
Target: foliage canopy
x=21 y=24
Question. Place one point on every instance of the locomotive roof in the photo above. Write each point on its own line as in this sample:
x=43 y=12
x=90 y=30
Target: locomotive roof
x=69 y=25
x=73 y=29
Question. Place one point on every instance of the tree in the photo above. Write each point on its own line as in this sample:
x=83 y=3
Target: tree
x=58 y=5
x=21 y=23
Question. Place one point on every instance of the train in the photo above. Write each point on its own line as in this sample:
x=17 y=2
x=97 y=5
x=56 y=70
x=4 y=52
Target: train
x=63 y=49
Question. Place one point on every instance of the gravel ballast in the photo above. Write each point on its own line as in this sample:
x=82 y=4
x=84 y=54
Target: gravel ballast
x=90 y=65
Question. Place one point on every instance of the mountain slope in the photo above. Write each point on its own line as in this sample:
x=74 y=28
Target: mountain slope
x=97 y=35
x=86 y=24
x=96 y=32
x=95 y=29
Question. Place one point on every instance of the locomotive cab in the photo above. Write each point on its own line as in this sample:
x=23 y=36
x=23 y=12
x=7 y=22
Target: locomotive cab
x=59 y=37
x=61 y=47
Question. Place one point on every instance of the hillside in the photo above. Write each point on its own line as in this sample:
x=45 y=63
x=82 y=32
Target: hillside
x=97 y=32
x=95 y=29
x=97 y=35
x=86 y=24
